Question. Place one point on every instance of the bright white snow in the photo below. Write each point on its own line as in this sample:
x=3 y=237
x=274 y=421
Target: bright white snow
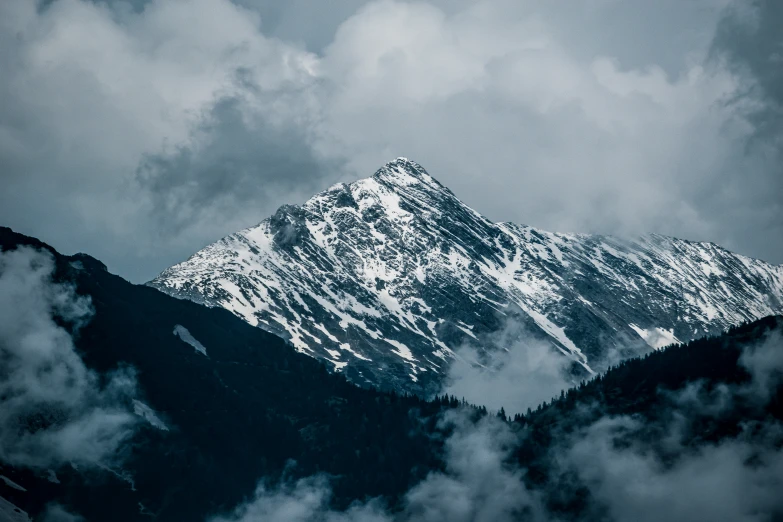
x=367 y=251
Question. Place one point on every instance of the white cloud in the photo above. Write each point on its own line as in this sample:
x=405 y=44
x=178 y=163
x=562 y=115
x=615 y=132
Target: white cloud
x=53 y=409
x=90 y=89
x=712 y=482
x=576 y=116
x=478 y=485
x=764 y=362
x=660 y=465
x=498 y=107
x=522 y=374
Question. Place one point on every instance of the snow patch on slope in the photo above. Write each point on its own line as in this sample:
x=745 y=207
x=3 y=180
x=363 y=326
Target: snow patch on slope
x=656 y=337
x=183 y=333
x=148 y=414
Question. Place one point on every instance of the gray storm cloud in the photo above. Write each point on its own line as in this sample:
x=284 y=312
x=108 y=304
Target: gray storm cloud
x=53 y=409
x=234 y=164
x=176 y=122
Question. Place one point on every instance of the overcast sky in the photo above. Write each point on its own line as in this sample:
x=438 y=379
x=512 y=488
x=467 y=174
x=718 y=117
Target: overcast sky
x=139 y=131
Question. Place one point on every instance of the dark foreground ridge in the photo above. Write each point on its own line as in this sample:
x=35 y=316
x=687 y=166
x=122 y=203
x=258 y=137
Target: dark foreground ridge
x=253 y=408
x=241 y=413
x=667 y=406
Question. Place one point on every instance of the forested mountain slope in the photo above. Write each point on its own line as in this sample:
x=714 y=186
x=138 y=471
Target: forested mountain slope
x=238 y=413
x=210 y=406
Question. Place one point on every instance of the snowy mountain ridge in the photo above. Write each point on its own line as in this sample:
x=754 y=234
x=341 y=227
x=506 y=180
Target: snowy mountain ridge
x=384 y=277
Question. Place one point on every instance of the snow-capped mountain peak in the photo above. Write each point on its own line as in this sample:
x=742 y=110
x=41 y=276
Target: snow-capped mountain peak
x=385 y=276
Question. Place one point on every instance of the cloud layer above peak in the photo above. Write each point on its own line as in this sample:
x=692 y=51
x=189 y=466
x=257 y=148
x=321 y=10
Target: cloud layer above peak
x=139 y=131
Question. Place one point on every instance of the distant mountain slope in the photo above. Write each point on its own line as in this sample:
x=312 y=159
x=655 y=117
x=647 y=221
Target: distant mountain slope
x=386 y=276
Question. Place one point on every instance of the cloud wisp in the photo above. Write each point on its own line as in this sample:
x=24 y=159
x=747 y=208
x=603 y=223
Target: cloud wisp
x=764 y=362
x=53 y=409
x=523 y=373
x=478 y=485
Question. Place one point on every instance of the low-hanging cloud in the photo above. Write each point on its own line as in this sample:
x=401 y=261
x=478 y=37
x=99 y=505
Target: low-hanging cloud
x=53 y=409
x=305 y=500
x=737 y=479
x=524 y=372
x=57 y=513
x=478 y=485
x=764 y=362
x=623 y=468
x=660 y=468
x=734 y=481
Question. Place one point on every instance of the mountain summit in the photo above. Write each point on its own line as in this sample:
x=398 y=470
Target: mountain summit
x=386 y=276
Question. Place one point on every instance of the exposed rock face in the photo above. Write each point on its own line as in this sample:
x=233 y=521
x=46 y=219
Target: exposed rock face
x=385 y=276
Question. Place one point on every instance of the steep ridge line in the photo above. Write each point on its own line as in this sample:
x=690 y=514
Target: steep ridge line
x=386 y=276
